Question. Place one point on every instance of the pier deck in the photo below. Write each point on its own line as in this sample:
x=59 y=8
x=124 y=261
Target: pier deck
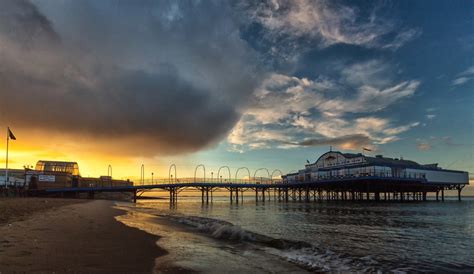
x=374 y=188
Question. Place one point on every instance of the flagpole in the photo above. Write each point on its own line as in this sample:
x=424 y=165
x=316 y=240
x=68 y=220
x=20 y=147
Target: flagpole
x=6 y=168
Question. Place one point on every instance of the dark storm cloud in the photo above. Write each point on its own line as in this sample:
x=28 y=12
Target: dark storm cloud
x=173 y=75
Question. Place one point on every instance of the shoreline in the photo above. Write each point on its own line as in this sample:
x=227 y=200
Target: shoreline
x=83 y=236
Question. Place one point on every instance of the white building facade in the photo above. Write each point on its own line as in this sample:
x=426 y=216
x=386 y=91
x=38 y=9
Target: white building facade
x=335 y=165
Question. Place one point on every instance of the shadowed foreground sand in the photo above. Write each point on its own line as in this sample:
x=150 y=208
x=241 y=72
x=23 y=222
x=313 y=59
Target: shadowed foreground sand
x=79 y=237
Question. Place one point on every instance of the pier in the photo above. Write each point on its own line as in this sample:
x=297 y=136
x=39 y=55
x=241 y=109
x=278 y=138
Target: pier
x=335 y=176
x=366 y=188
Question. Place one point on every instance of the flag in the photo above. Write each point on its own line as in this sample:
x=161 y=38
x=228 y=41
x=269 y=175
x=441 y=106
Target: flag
x=366 y=149
x=11 y=135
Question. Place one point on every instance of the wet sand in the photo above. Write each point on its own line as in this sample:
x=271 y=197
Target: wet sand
x=72 y=236
x=18 y=209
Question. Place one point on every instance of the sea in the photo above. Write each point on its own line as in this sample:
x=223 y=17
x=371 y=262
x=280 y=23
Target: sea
x=293 y=237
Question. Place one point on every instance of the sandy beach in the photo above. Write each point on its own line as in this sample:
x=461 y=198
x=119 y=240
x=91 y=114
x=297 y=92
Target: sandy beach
x=60 y=235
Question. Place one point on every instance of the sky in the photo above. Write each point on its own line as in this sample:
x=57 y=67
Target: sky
x=257 y=84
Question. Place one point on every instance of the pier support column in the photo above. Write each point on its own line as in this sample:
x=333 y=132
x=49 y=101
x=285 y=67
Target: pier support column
x=135 y=196
x=256 y=194
x=286 y=195
x=237 y=195
x=263 y=194
x=424 y=196
x=231 y=194
x=459 y=193
x=437 y=195
x=207 y=195
x=202 y=195
x=377 y=196
x=442 y=194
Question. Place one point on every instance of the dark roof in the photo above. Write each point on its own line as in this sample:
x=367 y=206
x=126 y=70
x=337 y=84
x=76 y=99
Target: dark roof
x=385 y=161
x=351 y=155
x=393 y=162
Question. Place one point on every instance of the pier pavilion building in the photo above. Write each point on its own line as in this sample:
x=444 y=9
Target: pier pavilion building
x=360 y=172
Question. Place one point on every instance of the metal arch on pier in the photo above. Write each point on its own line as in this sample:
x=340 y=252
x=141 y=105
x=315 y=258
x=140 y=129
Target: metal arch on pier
x=109 y=171
x=195 y=170
x=240 y=168
x=142 y=174
x=169 y=173
x=228 y=169
x=273 y=172
x=255 y=173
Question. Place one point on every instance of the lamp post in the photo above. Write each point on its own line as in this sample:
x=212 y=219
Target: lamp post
x=152 y=177
x=212 y=176
x=221 y=178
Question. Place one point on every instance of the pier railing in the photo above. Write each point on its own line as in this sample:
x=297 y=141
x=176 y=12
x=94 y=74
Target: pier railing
x=256 y=180
x=404 y=175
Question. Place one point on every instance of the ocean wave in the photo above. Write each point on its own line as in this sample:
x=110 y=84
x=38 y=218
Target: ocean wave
x=301 y=253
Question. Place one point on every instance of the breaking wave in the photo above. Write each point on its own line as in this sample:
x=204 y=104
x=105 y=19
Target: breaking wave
x=301 y=253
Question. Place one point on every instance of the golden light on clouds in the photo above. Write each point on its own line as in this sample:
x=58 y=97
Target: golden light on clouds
x=93 y=156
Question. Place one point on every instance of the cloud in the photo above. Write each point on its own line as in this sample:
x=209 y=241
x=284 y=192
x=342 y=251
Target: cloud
x=172 y=79
x=463 y=77
x=424 y=146
x=460 y=81
x=348 y=142
x=290 y=111
x=292 y=25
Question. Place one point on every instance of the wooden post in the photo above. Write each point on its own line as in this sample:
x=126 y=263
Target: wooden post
x=256 y=194
x=263 y=194
x=459 y=193
x=437 y=195
x=202 y=195
x=442 y=194
x=231 y=194
x=237 y=195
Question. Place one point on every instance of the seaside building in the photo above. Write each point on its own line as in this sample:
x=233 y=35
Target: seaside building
x=15 y=177
x=359 y=172
x=55 y=174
